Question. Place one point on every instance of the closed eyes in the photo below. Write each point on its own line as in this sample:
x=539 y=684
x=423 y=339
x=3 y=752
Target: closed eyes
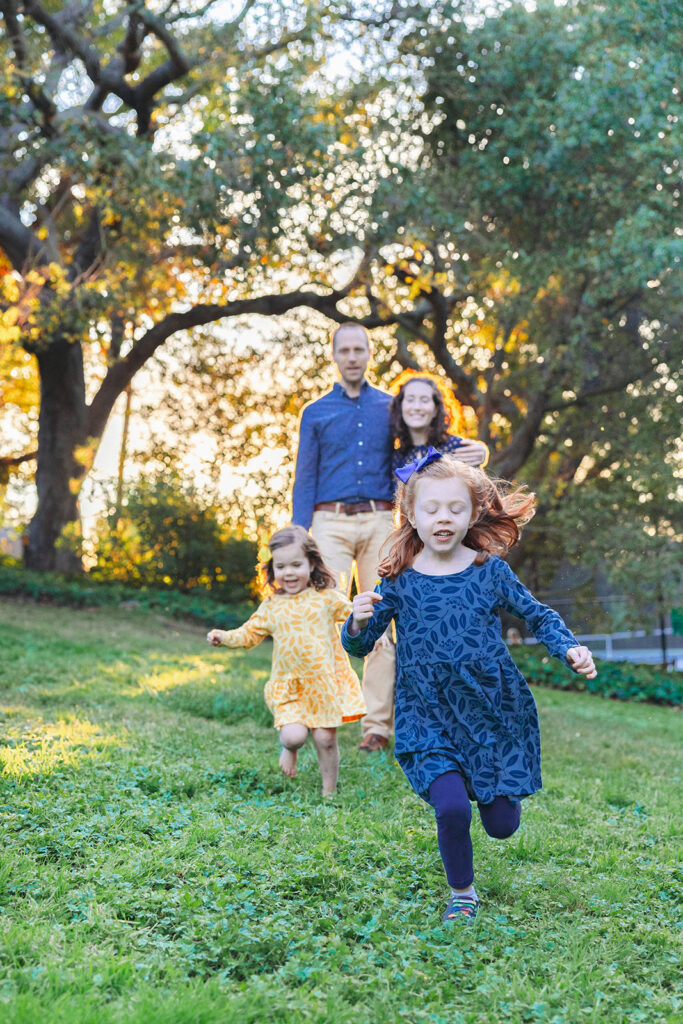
x=430 y=510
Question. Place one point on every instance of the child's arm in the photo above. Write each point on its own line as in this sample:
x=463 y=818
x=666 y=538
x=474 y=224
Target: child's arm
x=340 y=606
x=249 y=635
x=372 y=613
x=363 y=609
x=544 y=622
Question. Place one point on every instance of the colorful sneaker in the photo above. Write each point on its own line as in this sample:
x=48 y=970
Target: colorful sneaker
x=373 y=742
x=463 y=908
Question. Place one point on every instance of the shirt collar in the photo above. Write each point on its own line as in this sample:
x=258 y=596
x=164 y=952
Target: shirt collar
x=341 y=390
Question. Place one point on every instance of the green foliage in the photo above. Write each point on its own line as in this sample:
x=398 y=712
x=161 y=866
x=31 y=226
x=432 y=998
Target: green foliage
x=619 y=680
x=551 y=193
x=167 y=534
x=158 y=867
x=186 y=184
x=83 y=592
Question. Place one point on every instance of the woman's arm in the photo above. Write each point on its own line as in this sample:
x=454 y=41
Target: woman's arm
x=474 y=453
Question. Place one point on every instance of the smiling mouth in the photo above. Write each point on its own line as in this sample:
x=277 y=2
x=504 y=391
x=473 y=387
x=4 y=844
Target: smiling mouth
x=444 y=534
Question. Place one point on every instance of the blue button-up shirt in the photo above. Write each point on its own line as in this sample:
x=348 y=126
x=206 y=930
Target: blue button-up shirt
x=344 y=451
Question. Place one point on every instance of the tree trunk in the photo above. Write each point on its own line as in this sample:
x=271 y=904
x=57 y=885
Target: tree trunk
x=61 y=430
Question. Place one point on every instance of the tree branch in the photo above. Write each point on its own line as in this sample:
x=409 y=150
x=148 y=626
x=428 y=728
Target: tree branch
x=122 y=372
x=157 y=28
x=19 y=243
x=16 y=460
x=15 y=31
x=586 y=396
x=396 y=11
x=66 y=40
x=520 y=447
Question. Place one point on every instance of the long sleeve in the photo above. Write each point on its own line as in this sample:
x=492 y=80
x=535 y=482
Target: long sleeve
x=546 y=625
x=306 y=472
x=340 y=606
x=363 y=642
x=254 y=630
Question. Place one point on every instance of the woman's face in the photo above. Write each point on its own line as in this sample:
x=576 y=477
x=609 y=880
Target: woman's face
x=418 y=408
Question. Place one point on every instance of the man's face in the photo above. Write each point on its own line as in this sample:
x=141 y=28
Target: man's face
x=351 y=353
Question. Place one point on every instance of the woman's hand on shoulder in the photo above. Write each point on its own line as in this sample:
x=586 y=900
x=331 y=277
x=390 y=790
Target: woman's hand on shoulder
x=581 y=660
x=473 y=453
x=363 y=609
x=214 y=637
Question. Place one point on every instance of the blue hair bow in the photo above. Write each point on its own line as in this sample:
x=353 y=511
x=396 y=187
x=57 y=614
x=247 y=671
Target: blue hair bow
x=405 y=472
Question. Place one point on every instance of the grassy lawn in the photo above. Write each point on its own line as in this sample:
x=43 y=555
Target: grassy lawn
x=155 y=866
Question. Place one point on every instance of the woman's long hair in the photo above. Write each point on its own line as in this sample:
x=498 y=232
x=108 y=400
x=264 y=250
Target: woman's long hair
x=498 y=515
x=447 y=418
x=321 y=577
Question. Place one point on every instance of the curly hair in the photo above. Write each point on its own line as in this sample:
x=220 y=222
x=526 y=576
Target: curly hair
x=321 y=577
x=498 y=515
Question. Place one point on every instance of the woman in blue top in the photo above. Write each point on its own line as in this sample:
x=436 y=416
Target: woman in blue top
x=424 y=413
x=466 y=722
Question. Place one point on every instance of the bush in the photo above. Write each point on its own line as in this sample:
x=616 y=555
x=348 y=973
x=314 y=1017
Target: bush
x=167 y=535
x=620 y=680
x=83 y=592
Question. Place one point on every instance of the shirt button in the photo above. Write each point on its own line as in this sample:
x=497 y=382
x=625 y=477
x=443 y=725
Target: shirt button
x=360 y=424
x=360 y=444
x=360 y=462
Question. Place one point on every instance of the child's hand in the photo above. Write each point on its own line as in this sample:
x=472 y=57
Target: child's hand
x=214 y=637
x=581 y=660
x=363 y=609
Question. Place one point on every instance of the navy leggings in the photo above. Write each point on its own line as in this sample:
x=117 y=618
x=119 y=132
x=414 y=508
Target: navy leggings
x=448 y=797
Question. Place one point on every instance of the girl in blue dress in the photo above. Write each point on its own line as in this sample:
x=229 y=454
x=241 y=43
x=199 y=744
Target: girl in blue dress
x=466 y=723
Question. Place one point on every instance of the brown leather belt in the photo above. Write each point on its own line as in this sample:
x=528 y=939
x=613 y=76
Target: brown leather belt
x=352 y=508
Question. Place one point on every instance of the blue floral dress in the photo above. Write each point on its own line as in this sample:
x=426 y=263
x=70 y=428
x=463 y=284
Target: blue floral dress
x=461 y=702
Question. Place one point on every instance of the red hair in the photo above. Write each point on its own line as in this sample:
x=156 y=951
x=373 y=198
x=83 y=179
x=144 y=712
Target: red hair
x=499 y=514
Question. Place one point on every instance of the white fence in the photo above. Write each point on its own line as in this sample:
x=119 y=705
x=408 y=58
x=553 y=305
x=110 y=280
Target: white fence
x=637 y=646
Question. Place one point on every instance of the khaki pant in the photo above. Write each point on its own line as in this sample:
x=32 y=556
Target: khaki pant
x=345 y=540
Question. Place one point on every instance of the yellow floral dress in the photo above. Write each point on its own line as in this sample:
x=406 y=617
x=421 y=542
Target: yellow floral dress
x=311 y=679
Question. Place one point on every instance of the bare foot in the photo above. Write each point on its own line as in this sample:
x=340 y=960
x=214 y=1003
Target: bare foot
x=330 y=792
x=288 y=762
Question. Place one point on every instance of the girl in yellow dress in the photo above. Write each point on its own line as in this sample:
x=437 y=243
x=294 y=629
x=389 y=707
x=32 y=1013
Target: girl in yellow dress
x=312 y=685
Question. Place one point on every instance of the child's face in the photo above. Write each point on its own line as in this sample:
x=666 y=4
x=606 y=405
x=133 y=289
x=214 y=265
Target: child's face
x=291 y=569
x=443 y=514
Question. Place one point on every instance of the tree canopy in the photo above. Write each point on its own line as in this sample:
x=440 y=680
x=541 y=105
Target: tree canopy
x=150 y=157
x=495 y=194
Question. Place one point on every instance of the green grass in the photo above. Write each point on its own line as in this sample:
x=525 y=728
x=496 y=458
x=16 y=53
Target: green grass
x=155 y=866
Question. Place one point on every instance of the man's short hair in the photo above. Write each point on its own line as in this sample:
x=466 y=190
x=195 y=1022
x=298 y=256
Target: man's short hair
x=344 y=327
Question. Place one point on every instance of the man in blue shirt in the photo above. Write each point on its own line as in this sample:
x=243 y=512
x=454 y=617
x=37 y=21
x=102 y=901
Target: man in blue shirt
x=343 y=493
